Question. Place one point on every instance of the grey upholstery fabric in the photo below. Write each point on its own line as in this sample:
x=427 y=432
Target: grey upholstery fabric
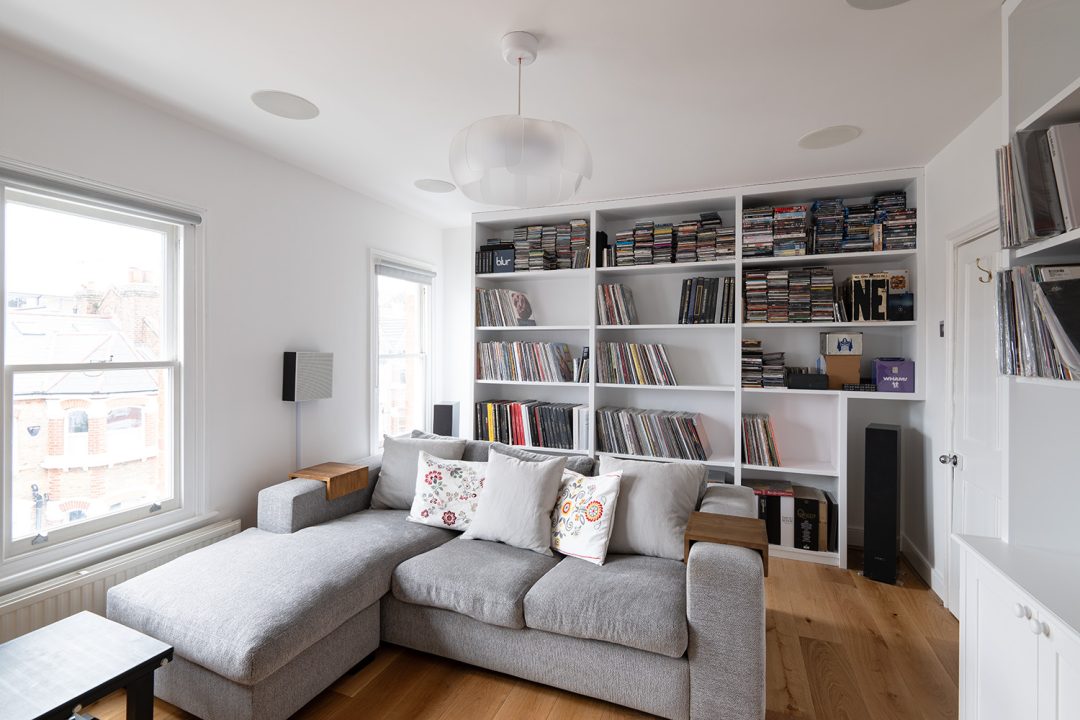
x=644 y=681
x=481 y=579
x=475 y=450
x=725 y=605
x=297 y=504
x=209 y=696
x=655 y=502
x=578 y=463
x=288 y=590
x=730 y=500
x=397 y=479
x=630 y=600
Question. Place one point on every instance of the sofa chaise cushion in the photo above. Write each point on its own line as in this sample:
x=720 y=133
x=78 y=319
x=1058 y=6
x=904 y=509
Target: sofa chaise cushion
x=630 y=600
x=222 y=609
x=485 y=580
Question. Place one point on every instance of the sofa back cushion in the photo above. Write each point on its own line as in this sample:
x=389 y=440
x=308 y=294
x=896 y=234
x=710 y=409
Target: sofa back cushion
x=655 y=502
x=397 y=478
x=580 y=464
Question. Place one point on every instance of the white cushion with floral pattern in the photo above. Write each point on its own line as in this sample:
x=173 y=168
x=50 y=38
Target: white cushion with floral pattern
x=584 y=515
x=446 y=491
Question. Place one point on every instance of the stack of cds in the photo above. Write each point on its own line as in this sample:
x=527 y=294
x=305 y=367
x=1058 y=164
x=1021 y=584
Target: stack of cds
x=643 y=242
x=799 y=295
x=686 y=241
x=663 y=237
x=757 y=236
x=777 y=294
x=890 y=201
x=860 y=218
x=564 y=256
x=900 y=230
x=755 y=286
x=752 y=363
x=828 y=226
x=547 y=244
x=705 y=247
x=536 y=250
x=772 y=370
x=521 y=249
x=579 y=243
x=789 y=230
x=725 y=242
x=624 y=248
x=822 y=294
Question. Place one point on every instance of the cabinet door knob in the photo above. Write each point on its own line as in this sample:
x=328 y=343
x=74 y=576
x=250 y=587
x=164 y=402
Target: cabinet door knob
x=1035 y=626
x=1019 y=610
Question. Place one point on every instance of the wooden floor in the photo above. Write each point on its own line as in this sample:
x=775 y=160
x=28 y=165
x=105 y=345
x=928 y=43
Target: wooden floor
x=838 y=647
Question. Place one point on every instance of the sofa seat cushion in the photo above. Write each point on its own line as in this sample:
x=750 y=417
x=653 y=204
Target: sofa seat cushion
x=630 y=600
x=247 y=605
x=485 y=580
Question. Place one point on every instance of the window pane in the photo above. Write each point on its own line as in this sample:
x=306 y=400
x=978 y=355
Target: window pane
x=402 y=394
x=80 y=289
x=65 y=472
x=402 y=316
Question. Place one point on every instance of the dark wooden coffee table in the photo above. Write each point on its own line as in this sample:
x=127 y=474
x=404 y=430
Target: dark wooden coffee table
x=53 y=672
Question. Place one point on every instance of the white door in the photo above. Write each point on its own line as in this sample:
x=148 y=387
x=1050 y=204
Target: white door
x=977 y=398
x=1059 y=671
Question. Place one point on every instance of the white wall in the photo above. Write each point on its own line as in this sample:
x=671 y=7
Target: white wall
x=455 y=381
x=961 y=189
x=287 y=258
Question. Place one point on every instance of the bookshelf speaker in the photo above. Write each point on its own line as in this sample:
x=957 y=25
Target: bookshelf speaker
x=882 y=503
x=444 y=419
x=307 y=376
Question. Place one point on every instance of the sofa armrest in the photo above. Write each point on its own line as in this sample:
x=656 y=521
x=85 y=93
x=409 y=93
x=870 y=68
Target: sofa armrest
x=725 y=613
x=729 y=500
x=296 y=504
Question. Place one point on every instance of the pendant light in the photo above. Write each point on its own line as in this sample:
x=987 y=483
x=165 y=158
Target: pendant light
x=515 y=160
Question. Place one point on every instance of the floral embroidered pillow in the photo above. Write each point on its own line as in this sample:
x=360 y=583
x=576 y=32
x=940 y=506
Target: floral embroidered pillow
x=584 y=515
x=446 y=491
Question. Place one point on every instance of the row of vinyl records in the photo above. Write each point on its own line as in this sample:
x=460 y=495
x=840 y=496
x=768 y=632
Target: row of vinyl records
x=653 y=433
x=759 y=441
x=501 y=307
x=796 y=516
x=532 y=423
x=1038 y=176
x=627 y=363
x=1039 y=321
x=518 y=361
x=703 y=301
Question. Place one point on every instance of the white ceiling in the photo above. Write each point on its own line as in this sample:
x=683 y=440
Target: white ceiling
x=670 y=95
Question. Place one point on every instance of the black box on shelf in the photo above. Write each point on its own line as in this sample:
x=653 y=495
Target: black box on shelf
x=808 y=381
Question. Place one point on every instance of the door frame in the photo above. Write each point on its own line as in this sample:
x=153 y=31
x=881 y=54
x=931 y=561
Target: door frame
x=954 y=240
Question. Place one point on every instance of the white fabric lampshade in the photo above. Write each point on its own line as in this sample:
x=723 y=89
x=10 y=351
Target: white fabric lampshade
x=519 y=161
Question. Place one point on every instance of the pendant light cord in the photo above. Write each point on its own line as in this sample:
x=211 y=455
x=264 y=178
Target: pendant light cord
x=519 y=87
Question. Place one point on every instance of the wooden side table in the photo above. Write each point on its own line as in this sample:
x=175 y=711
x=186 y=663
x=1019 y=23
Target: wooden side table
x=340 y=478
x=728 y=530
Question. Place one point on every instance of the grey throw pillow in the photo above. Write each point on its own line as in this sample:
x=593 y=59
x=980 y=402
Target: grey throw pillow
x=578 y=463
x=397 y=478
x=516 y=502
x=655 y=502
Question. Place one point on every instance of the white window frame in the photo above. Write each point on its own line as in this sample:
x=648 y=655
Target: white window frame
x=95 y=540
x=377 y=257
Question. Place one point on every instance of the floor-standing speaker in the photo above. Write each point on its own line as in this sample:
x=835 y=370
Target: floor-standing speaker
x=882 y=503
x=444 y=419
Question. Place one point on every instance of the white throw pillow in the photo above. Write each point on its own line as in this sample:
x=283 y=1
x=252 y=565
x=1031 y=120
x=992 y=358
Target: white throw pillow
x=397 y=478
x=446 y=491
x=515 y=507
x=585 y=514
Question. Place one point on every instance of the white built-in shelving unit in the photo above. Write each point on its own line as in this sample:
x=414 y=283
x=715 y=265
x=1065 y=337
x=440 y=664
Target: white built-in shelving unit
x=819 y=432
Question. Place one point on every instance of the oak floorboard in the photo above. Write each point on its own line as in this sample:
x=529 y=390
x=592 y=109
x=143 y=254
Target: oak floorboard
x=836 y=692
x=528 y=701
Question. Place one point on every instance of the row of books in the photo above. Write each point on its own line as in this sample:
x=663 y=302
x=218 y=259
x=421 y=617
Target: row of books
x=653 y=243
x=1038 y=176
x=655 y=433
x=759 y=441
x=527 y=361
x=795 y=295
x=797 y=516
x=615 y=305
x=501 y=307
x=1039 y=321
x=628 y=363
x=533 y=423
x=707 y=300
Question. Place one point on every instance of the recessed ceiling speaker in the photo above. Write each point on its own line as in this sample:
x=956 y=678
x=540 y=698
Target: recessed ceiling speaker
x=829 y=137
x=285 y=105
x=874 y=4
x=308 y=376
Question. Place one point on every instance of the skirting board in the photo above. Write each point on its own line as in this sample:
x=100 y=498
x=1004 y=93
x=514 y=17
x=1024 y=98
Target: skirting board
x=930 y=575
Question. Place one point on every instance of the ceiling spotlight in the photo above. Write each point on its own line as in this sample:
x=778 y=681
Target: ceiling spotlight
x=433 y=185
x=829 y=137
x=285 y=105
x=874 y=4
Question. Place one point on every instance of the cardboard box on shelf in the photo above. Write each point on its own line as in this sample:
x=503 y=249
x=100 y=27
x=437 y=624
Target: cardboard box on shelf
x=841 y=369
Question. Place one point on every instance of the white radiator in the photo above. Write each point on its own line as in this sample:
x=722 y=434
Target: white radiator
x=38 y=605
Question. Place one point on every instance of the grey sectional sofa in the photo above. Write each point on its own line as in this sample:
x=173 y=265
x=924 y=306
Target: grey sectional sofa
x=262 y=622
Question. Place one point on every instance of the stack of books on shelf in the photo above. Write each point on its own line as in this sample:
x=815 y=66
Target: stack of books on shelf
x=1039 y=321
x=776 y=284
x=756 y=300
x=707 y=300
x=643 y=242
x=797 y=516
x=615 y=305
x=662 y=243
x=1039 y=184
x=519 y=361
x=757 y=232
x=579 y=243
x=772 y=370
x=500 y=307
x=789 y=230
x=627 y=363
x=752 y=363
x=857 y=228
x=653 y=433
x=759 y=441
x=686 y=241
x=828 y=226
x=531 y=423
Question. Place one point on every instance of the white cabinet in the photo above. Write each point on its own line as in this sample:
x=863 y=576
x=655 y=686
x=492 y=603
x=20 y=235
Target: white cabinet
x=1018 y=661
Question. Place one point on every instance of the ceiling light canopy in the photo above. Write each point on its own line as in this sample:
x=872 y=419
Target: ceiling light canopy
x=829 y=137
x=285 y=105
x=434 y=185
x=515 y=160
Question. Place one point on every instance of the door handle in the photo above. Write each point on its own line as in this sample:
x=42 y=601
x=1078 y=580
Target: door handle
x=948 y=460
